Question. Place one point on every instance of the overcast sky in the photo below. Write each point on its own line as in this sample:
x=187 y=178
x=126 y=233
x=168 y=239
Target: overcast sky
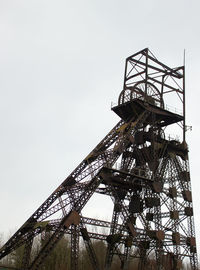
x=61 y=66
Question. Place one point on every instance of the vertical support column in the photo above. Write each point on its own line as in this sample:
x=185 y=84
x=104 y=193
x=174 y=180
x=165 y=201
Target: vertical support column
x=186 y=185
x=74 y=247
x=174 y=217
x=159 y=244
x=157 y=214
x=111 y=245
x=191 y=227
x=90 y=249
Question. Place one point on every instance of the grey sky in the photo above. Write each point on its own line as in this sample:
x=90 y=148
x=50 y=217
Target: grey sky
x=61 y=65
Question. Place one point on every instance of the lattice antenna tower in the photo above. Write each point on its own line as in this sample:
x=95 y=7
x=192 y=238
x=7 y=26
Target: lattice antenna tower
x=143 y=170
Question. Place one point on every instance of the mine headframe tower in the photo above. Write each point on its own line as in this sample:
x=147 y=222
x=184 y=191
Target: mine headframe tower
x=142 y=169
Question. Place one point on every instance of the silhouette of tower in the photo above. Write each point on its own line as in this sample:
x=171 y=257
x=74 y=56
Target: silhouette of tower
x=141 y=168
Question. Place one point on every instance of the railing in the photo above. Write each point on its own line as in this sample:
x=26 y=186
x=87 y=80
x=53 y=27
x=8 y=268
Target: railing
x=166 y=107
x=136 y=171
x=173 y=109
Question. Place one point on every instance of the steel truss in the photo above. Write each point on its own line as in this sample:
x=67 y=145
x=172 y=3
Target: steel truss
x=144 y=172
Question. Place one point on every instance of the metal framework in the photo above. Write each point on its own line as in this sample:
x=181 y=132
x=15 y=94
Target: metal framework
x=142 y=169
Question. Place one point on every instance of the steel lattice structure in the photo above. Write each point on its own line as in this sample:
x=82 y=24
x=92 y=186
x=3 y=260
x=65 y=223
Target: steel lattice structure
x=143 y=170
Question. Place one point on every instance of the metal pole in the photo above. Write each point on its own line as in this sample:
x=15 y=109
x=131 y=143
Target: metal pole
x=184 y=125
x=146 y=73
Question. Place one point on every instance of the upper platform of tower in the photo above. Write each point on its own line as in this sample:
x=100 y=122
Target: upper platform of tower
x=153 y=86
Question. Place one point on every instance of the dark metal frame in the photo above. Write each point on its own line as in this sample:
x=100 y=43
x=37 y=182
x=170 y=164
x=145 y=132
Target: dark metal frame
x=150 y=187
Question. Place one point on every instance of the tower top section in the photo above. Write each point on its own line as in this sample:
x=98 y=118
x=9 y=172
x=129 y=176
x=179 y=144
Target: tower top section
x=148 y=79
x=151 y=82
